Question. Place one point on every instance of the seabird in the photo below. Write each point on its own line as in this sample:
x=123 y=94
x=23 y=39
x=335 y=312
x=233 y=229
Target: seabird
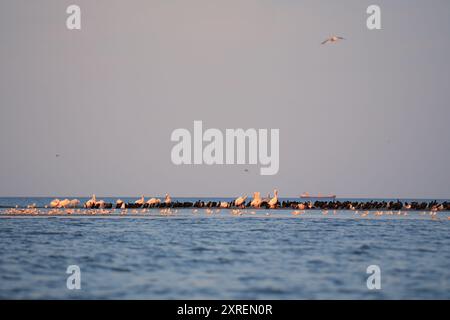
x=333 y=39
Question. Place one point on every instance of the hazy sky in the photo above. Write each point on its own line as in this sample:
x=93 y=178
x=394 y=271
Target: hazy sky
x=366 y=117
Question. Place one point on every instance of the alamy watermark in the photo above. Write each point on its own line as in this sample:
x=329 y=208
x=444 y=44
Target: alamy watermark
x=374 y=20
x=374 y=280
x=74 y=280
x=236 y=146
x=73 y=21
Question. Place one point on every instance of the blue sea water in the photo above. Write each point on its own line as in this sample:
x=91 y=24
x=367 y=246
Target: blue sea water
x=189 y=255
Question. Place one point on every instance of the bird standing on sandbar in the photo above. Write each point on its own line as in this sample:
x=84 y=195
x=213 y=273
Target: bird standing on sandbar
x=274 y=201
x=256 y=202
x=240 y=201
x=140 y=201
x=167 y=199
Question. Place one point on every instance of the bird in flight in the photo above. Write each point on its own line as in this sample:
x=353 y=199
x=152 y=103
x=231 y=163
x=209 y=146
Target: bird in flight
x=333 y=39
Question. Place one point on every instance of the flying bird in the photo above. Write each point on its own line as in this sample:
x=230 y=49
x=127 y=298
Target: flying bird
x=333 y=39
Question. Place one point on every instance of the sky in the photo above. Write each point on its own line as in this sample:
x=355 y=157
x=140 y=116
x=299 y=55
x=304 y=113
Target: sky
x=367 y=117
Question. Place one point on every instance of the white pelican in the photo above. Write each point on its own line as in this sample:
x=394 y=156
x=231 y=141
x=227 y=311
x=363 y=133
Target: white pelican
x=153 y=201
x=140 y=202
x=91 y=202
x=54 y=203
x=273 y=202
x=74 y=203
x=256 y=202
x=333 y=39
x=240 y=201
x=64 y=203
x=167 y=199
x=224 y=204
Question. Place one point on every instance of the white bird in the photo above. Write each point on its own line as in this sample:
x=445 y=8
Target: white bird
x=240 y=201
x=153 y=201
x=256 y=202
x=333 y=39
x=140 y=201
x=54 y=203
x=273 y=202
x=64 y=203
x=91 y=202
x=167 y=199
x=224 y=204
x=74 y=203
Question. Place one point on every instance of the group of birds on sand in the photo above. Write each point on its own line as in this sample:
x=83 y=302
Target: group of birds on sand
x=257 y=201
x=94 y=203
x=66 y=203
x=269 y=202
x=239 y=206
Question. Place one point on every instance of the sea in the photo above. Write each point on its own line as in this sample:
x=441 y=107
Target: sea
x=223 y=254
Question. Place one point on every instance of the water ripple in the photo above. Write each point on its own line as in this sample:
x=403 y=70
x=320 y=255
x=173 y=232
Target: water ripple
x=224 y=256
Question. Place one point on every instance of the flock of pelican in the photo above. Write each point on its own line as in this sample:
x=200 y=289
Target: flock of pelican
x=257 y=201
x=93 y=203
x=238 y=207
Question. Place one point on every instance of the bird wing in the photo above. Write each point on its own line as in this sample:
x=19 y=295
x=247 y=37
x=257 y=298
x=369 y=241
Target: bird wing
x=325 y=41
x=341 y=38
